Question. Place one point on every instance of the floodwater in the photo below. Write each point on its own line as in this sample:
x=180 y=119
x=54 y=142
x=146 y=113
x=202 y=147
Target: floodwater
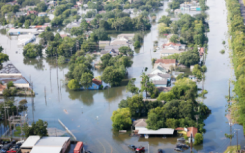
x=87 y=113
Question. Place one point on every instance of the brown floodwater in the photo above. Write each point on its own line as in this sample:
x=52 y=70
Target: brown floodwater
x=87 y=113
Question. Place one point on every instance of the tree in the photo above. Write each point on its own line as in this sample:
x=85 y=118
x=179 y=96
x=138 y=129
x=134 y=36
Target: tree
x=155 y=120
x=189 y=58
x=38 y=128
x=73 y=84
x=163 y=28
x=27 y=24
x=61 y=60
x=137 y=44
x=165 y=19
x=198 y=139
x=41 y=7
x=3 y=58
x=112 y=76
x=197 y=71
x=166 y=96
x=10 y=84
x=86 y=80
x=125 y=50
x=131 y=86
x=174 y=39
x=121 y=119
x=32 y=50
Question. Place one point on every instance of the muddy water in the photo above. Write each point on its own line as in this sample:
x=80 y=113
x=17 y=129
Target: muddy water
x=87 y=113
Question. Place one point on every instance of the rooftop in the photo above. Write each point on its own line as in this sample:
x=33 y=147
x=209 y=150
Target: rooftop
x=171 y=51
x=52 y=141
x=161 y=131
x=9 y=68
x=140 y=123
x=37 y=149
x=2 y=87
x=22 y=30
x=160 y=74
x=19 y=80
x=30 y=142
x=98 y=82
x=191 y=130
x=164 y=89
x=166 y=61
x=160 y=82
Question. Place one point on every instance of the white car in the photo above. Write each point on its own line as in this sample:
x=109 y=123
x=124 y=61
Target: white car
x=20 y=142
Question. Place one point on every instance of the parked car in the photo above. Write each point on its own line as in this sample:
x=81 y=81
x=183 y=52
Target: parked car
x=181 y=139
x=160 y=151
x=182 y=146
x=13 y=142
x=178 y=149
x=11 y=151
x=3 y=150
x=132 y=147
x=20 y=142
x=140 y=149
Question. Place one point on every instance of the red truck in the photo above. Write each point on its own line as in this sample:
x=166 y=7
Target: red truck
x=79 y=147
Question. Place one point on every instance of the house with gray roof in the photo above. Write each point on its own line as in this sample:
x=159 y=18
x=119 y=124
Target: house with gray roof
x=113 y=52
x=158 y=70
x=160 y=83
x=159 y=76
x=139 y=124
x=19 y=14
x=167 y=52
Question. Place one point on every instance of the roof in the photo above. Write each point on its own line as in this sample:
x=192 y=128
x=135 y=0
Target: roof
x=161 y=131
x=52 y=141
x=166 y=61
x=171 y=44
x=160 y=75
x=179 y=129
x=126 y=35
x=164 y=89
x=42 y=13
x=41 y=26
x=17 y=79
x=171 y=51
x=2 y=87
x=30 y=141
x=63 y=35
x=98 y=82
x=160 y=82
x=9 y=68
x=140 y=123
x=37 y=149
x=22 y=30
x=115 y=47
x=104 y=42
x=159 y=68
x=191 y=130
x=177 y=73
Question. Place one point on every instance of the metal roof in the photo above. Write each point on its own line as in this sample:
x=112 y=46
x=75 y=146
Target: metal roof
x=52 y=141
x=9 y=68
x=22 y=30
x=30 y=141
x=161 y=131
x=37 y=149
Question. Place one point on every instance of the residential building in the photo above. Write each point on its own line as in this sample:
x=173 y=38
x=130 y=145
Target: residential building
x=177 y=73
x=164 y=89
x=19 y=14
x=115 y=47
x=32 y=12
x=103 y=44
x=42 y=14
x=47 y=24
x=22 y=31
x=159 y=76
x=9 y=70
x=160 y=83
x=79 y=3
x=201 y=51
x=29 y=143
x=73 y=25
x=26 y=39
x=126 y=36
x=163 y=131
x=140 y=124
x=165 y=63
x=113 y=52
x=102 y=12
x=52 y=3
x=177 y=11
x=88 y=20
x=158 y=70
x=167 y=52
x=120 y=41
x=41 y=27
x=129 y=11
x=51 y=144
x=176 y=46
x=96 y=85
x=2 y=87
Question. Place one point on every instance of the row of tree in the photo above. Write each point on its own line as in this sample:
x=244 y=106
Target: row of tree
x=236 y=31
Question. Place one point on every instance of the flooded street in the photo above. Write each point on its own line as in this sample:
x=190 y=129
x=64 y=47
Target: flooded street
x=87 y=113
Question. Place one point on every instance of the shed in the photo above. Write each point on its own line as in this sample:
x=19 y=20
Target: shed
x=140 y=124
x=29 y=143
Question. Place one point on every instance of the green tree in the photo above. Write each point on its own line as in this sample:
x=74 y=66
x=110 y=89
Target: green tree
x=174 y=39
x=137 y=44
x=32 y=50
x=10 y=84
x=121 y=119
x=112 y=76
x=38 y=128
x=131 y=86
x=155 y=120
x=61 y=60
x=27 y=24
x=163 y=28
x=197 y=71
x=86 y=80
x=198 y=139
x=165 y=19
x=73 y=84
x=166 y=96
x=189 y=58
x=125 y=50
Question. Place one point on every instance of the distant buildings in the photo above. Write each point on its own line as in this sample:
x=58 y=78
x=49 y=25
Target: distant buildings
x=190 y=6
x=32 y=12
x=41 y=14
x=22 y=31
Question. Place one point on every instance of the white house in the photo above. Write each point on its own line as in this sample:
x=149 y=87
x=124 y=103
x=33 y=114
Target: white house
x=140 y=124
x=158 y=70
x=167 y=52
x=127 y=36
x=160 y=83
x=159 y=76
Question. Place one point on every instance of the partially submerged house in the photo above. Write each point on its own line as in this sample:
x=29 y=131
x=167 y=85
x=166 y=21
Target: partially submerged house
x=161 y=83
x=177 y=46
x=120 y=41
x=189 y=131
x=126 y=36
x=140 y=124
x=158 y=70
x=113 y=52
x=159 y=76
x=166 y=52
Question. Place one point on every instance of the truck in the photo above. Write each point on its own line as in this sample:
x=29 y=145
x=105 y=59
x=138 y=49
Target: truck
x=79 y=147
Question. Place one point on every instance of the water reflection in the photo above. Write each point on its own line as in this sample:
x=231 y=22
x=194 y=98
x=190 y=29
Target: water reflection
x=37 y=63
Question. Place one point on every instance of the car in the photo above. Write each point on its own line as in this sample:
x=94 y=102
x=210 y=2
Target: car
x=3 y=151
x=182 y=146
x=13 y=142
x=178 y=149
x=160 y=151
x=20 y=142
x=132 y=147
x=140 y=149
x=181 y=139
x=11 y=151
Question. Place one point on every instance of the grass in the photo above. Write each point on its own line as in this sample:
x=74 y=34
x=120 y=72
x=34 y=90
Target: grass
x=232 y=149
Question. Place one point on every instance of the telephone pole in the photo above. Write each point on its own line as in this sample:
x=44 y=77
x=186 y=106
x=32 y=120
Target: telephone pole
x=237 y=138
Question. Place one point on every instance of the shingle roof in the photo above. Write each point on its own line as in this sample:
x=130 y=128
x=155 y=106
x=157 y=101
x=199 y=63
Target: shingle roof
x=160 y=82
x=98 y=82
x=191 y=130
x=159 y=74
x=166 y=61
x=140 y=123
x=9 y=68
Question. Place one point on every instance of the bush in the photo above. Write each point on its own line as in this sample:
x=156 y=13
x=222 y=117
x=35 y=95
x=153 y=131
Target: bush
x=198 y=139
x=136 y=44
x=61 y=60
x=10 y=84
x=73 y=84
x=6 y=93
x=23 y=102
x=223 y=42
x=222 y=51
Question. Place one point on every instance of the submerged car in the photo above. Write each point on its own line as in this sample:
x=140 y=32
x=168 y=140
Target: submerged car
x=140 y=149
x=132 y=147
x=181 y=139
x=160 y=151
x=178 y=149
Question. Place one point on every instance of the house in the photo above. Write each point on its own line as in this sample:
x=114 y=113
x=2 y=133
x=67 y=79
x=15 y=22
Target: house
x=139 y=124
x=159 y=76
x=96 y=84
x=166 y=63
x=176 y=46
x=201 y=51
x=47 y=24
x=192 y=77
x=160 y=83
x=120 y=41
x=158 y=70
x=19 y=14
x=32 y=12
x=73 y=25
x=51 y=144
x=52 y=3
x=42 y=14
x=22 y=31
x=63 y=35
x=79 y=3
x=164 y=89
x=167 y=52
x=29 y=143
x=9 y=70
x=103 y=44
x=88 y=20
x=177 y=11
x=2 y=87
x=41 y=27
x=189 y=131
x=126 y=36
x=177 y=73
x=163 y=131
x=113 y=52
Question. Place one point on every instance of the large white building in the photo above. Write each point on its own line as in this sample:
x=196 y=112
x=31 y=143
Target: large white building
x=22 y=31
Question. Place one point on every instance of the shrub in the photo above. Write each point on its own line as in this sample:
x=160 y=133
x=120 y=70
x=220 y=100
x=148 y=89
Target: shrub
x=10 y=84
x=198 y=139
x=222 y=51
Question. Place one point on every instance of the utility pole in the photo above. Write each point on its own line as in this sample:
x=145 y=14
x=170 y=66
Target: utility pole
x=237 y=138
x=191 y=143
